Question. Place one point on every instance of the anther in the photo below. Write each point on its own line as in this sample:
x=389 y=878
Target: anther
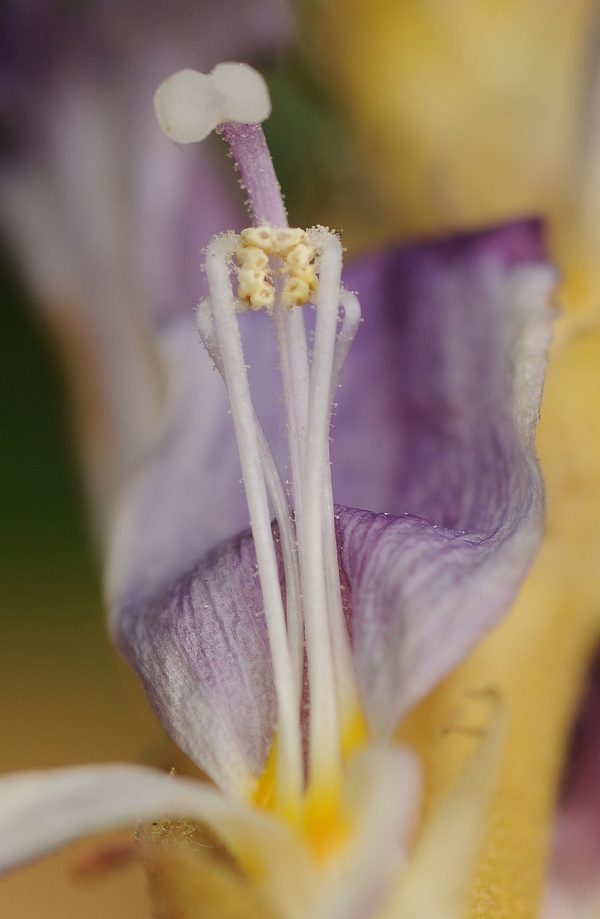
x=300 y=256
x=262 y=237
x=289 y=243
x=295 y=293
x=252 y=257
x=286 y=239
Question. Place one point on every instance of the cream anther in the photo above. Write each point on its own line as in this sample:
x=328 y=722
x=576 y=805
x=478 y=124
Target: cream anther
x=259 y=236
x=300 y=257
x=286 y=239
x=189 y=105
x=252 y=257
x=296 y=292
x=254 y=288
x=291 y=244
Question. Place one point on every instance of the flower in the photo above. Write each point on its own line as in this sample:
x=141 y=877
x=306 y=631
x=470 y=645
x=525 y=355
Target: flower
x=464 y=327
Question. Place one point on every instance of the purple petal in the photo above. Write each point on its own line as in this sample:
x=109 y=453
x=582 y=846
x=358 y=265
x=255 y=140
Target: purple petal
x=436 y=423
x=201 y=650
x=188 y=619
x=194 y=630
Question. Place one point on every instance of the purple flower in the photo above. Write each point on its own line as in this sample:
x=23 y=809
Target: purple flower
x=321 y=629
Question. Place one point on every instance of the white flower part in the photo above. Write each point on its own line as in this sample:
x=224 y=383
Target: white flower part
x=43 y=811
x=189 y=105
x=244 y=93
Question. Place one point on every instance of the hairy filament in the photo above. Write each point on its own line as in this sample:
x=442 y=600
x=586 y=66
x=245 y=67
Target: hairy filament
x=279 y=500
x=232 y=99
x=347 y=692
x=324 y=729
x=289 y=776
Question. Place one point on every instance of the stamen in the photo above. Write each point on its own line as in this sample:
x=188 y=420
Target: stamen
x=346 y=335
x=347 y=692
x=254 y=273
x=289 y=776
x=287 y=535
x=324 y=750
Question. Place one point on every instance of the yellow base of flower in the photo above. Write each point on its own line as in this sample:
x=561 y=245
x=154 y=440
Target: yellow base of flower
x=320 y=818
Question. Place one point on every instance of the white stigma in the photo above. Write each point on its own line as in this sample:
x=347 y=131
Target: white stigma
x=189 y=105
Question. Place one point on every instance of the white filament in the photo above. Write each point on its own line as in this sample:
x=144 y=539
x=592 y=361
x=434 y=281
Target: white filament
x=347 y=693
x=308 y=544
x=295 y=376
x=189 y=105
x=289 y=552
x=289 y=776
x=324 y=750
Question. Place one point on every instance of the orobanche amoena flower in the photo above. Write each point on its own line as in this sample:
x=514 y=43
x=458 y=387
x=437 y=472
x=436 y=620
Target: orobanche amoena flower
x=282 y=659
x=272 y=262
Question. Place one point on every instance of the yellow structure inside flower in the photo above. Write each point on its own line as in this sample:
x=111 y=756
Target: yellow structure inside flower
x=468 y=113
x=254 y=274
x=322 y=820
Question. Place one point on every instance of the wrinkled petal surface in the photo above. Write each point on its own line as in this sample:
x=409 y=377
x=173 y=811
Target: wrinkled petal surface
x=188 y=617
x=447 y=380
x=202 y=653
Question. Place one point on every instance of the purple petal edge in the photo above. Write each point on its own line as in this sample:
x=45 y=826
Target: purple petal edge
x=463 y=327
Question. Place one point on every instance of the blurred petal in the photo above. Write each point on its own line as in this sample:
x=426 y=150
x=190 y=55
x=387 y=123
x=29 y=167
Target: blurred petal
x=574 y=878
x=107 y=218
x=437 y=882
x=465 y=114
x=464 y=329
x=382 y=796
x=340 y=870
x=41 y=811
